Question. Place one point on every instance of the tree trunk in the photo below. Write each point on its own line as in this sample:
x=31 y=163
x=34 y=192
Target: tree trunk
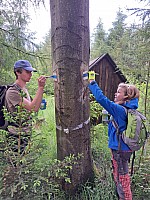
x=70 y=54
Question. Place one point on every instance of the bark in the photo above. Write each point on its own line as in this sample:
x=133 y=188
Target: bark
x=70 y=55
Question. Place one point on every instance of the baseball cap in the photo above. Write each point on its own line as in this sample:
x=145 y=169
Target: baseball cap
x=25 y=64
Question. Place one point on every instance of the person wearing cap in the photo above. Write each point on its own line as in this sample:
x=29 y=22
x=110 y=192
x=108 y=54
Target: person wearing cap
x=23 y=72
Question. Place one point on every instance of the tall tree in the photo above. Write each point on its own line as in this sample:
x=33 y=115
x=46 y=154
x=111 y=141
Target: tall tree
x=142 y=49
x=116 y=33
x=98 y=45
x=117 y=39
x=16 y=40
x=70 y=53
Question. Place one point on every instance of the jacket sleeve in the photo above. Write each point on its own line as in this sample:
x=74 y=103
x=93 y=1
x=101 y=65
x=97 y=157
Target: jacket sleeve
x=113 y=108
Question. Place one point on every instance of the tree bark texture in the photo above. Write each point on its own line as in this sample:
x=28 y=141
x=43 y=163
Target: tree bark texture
x=70 y=55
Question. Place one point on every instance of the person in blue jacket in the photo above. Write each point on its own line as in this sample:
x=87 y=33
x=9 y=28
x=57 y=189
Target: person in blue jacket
x=126 y=96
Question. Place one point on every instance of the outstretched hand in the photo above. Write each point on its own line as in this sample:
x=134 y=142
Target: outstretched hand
x=41 y=81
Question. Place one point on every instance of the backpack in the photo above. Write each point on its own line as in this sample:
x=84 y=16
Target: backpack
x=136 y=134
x=3 y=89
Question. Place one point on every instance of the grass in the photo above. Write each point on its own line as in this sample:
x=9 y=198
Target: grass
x=141 y=176
x=36 y=183
x=46 y=128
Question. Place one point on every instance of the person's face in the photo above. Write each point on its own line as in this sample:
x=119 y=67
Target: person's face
x=25 y=75
x=119 y=95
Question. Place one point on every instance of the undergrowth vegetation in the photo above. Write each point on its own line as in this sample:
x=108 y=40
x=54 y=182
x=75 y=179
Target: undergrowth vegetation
x=39 y=174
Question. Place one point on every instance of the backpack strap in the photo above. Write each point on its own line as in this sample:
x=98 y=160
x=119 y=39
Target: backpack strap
x=119 y=147
x=18 y=89
x=117 y=127
x=13 y=85
x=132 y=163
x=118 y=134
x=115 y=123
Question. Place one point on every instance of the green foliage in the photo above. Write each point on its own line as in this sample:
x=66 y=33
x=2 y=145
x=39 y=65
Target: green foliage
x=31 y=181
x=17 y=42
x=35 y=173
x=39 y=174
x=140 y=178
x=116 y=33
x=32 y=86
x=98 y=42
x=144 y=99
x=102 y=167
x=95 y=110
x=13 y=37
x=45 y=127
x=127 y=45
x=100 y=151
x=103 y=180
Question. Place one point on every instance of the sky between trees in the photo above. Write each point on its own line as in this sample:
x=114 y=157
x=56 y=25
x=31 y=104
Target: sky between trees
x=106 y=10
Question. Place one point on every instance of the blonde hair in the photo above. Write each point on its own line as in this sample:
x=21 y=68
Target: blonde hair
x=131 y=91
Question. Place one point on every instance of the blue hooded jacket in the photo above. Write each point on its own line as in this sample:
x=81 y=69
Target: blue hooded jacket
x=117 y=111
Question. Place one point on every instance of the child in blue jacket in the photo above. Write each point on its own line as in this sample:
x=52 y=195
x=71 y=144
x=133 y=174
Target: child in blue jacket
x=126 y=96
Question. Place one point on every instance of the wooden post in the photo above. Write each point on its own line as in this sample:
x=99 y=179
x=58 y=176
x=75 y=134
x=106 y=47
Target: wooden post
x=70 y=54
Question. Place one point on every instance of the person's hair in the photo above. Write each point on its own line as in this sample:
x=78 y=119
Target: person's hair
x=19 y=70
x=131 y=91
